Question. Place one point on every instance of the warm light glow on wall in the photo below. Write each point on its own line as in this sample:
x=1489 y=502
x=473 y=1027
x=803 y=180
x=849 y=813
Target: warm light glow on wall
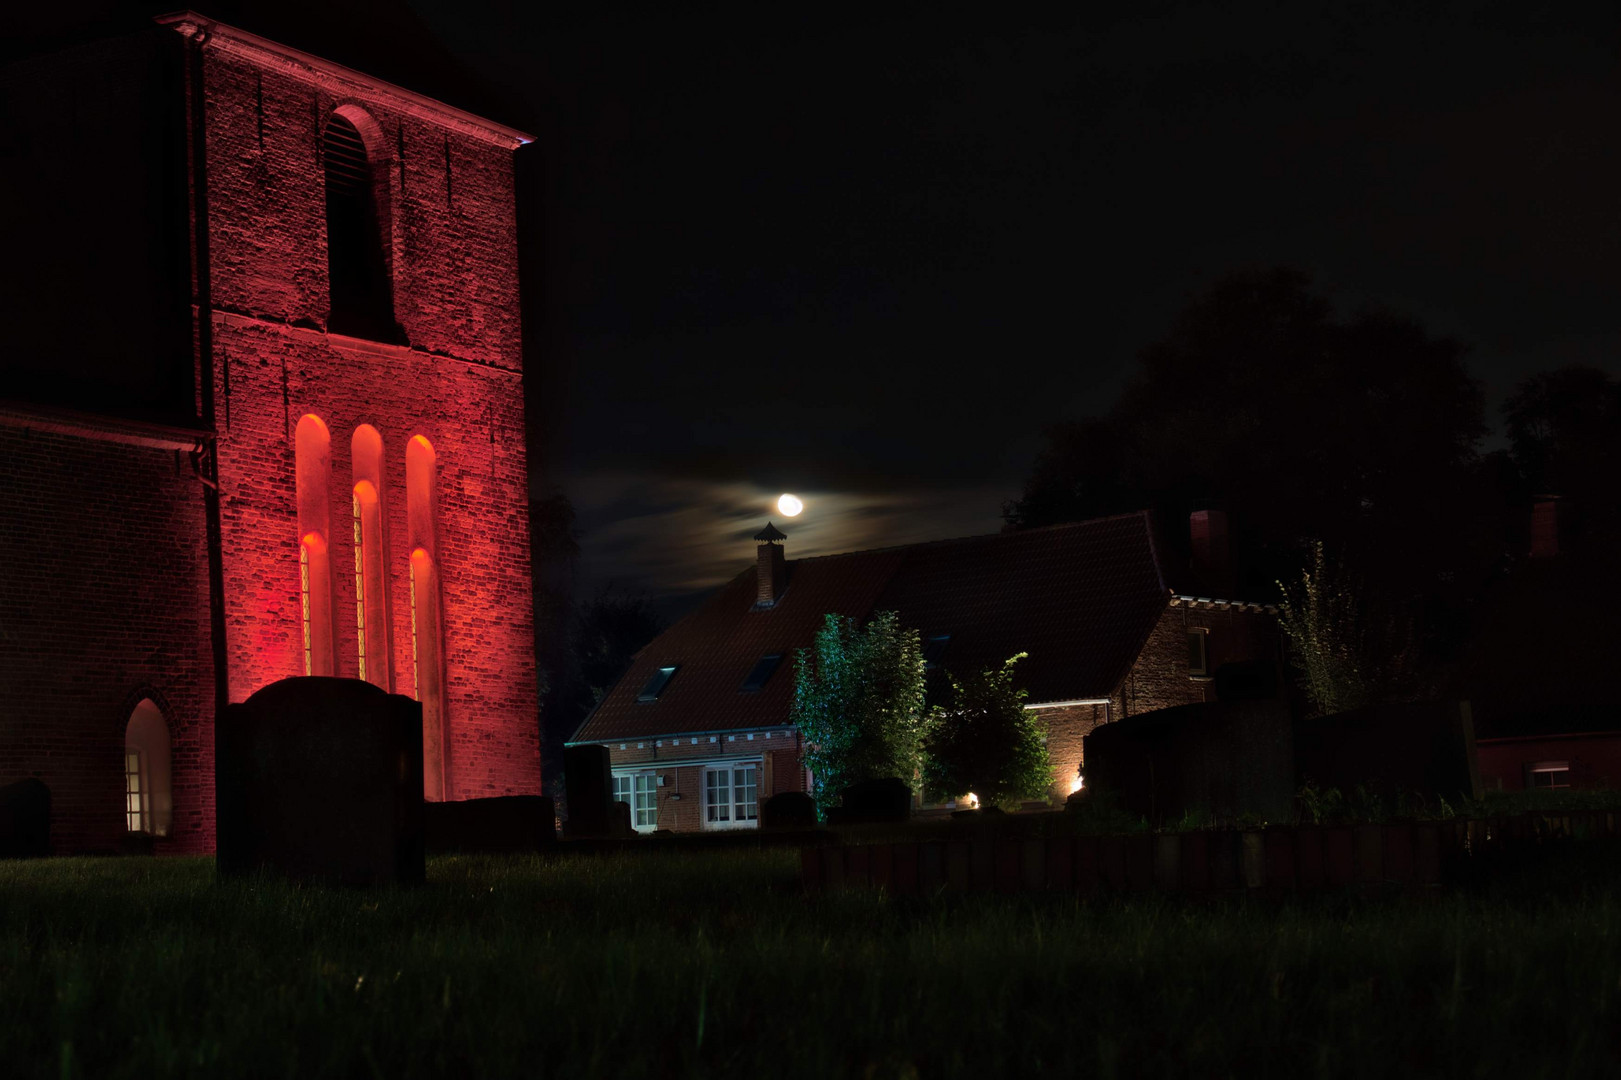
x=312 y=456
x=371 y=558
x=427 y=644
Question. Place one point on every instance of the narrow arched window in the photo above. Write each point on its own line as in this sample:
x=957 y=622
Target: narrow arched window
x=148 y=802
x=312 y=459
x=371 y=584
x=357 y=263
x=427 y=642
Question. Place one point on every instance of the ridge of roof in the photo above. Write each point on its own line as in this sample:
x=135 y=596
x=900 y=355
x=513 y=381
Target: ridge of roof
x=1147 y=515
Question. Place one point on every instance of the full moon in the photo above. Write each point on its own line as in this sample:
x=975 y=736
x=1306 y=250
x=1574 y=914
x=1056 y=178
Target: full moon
x=790 y=505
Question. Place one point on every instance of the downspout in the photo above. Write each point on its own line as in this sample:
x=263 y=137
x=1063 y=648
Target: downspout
x=207 y=457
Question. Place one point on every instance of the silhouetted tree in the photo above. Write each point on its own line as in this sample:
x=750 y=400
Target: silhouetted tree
x=611 y=629
x=1301 y=424
x=1564 y=432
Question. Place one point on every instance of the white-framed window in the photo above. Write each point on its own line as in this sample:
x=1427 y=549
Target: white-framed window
x=1198 y=651
x=1546 y=775
x=640 y=790
x=137 y=801
x=731 y=796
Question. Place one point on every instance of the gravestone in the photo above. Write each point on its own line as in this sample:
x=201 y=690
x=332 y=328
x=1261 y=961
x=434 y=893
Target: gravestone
x=25 y=819
x=589 y=784
x=788 y=810
x=873 y=801
x=320 y=779
x=506 y=824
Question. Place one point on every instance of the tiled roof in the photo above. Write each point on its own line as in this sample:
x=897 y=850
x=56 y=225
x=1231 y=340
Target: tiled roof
x=1081 y=599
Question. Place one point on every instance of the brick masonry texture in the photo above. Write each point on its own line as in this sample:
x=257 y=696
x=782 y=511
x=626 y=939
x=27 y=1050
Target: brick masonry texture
x=105 y=603
x=777 y=751
x=450 y=242
x=106 y=597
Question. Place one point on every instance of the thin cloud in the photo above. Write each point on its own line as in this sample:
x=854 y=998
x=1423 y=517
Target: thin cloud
x=673 y=535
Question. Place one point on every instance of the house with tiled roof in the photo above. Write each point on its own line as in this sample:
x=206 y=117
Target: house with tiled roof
x=698 y=729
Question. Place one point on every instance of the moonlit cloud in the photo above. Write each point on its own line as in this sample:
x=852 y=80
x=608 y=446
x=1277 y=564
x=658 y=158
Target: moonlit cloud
x=683 y=535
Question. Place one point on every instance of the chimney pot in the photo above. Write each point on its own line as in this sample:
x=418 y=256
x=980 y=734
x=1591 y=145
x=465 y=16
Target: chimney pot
x=1212 y=551
x=771 y=569
x=1545 y=516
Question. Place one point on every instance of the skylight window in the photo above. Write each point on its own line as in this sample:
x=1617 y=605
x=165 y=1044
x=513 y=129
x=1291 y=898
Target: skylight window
x=761 y=673
x=934 y=649
x=656 y=684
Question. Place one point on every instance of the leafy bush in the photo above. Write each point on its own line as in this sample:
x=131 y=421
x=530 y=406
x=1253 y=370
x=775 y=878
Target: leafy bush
x=858 y=702
x=984 y=740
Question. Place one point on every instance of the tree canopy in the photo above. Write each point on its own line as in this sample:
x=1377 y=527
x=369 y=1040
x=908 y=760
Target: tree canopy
x=1261 y=400
x=983 y=740
x=859 y=704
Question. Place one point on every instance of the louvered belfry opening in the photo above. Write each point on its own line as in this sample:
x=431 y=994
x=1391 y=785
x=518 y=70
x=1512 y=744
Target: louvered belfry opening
x=362 y=301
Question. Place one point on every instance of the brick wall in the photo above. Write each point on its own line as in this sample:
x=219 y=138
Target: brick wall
x=1160 y=678
x=105 y=602
x=1066 y=728
x=681 y=799
x=447 y=203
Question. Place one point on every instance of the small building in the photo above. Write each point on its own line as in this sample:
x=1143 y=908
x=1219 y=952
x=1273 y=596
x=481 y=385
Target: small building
x=699 y=731
x=1538 y=670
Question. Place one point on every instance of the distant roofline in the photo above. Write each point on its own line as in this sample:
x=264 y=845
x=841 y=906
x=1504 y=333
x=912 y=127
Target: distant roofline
x=1145 y=514
x=308 y=66
x=101 y=427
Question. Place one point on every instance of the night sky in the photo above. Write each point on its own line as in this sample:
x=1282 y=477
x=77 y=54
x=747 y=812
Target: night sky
x=867 y=259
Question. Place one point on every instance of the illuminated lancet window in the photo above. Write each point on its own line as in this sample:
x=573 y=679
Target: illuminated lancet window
x=148 y=806
x=371 y=561
x=312 y=454
x=427 y=644
x=357 y=229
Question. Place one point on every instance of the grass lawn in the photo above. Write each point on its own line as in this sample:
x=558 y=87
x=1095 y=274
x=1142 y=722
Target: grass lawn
x=714 y=964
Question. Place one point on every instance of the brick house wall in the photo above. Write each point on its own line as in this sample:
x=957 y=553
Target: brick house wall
x=681 y=799
x=447 y=203
x=1593 y=759
x=1160 y=677
x=105 y=603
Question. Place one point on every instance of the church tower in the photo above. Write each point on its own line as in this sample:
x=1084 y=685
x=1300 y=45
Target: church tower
x=333 y=357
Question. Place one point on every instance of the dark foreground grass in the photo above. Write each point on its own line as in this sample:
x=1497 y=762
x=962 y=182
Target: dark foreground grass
x=714 y=964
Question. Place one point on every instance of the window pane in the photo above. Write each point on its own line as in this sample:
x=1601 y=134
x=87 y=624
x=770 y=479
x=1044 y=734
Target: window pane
x=655 y=684
x=763 y=668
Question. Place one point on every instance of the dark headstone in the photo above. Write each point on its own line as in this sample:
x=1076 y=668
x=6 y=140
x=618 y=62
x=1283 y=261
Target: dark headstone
x=789 y=810
x=1225 y=758
x=320 y=779
x=137 y=843
x=589 y=784
x=619 y=823
x=25 y=819
x=505 y=824
x=877 y=801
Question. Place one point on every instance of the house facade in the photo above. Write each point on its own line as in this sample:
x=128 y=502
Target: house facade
x=698 y=729
x=266 y=419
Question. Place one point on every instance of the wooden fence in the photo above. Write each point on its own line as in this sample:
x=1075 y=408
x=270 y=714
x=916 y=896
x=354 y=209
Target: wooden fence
x=1403 y=856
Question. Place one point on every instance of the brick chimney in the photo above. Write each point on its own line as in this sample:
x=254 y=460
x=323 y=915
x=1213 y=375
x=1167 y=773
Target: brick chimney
x=1212 y=553
x=1545 y=515
x=771 y=571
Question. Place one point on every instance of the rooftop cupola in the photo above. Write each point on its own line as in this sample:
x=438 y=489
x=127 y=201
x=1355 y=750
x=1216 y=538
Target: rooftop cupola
x=771 y=570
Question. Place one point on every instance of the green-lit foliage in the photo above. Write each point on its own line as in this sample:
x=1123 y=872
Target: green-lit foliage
x=858 y=702
x=984 y=740
x=1347 y=656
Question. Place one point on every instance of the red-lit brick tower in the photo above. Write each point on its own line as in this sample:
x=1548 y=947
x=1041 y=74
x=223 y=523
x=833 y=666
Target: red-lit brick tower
x=352 y=493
